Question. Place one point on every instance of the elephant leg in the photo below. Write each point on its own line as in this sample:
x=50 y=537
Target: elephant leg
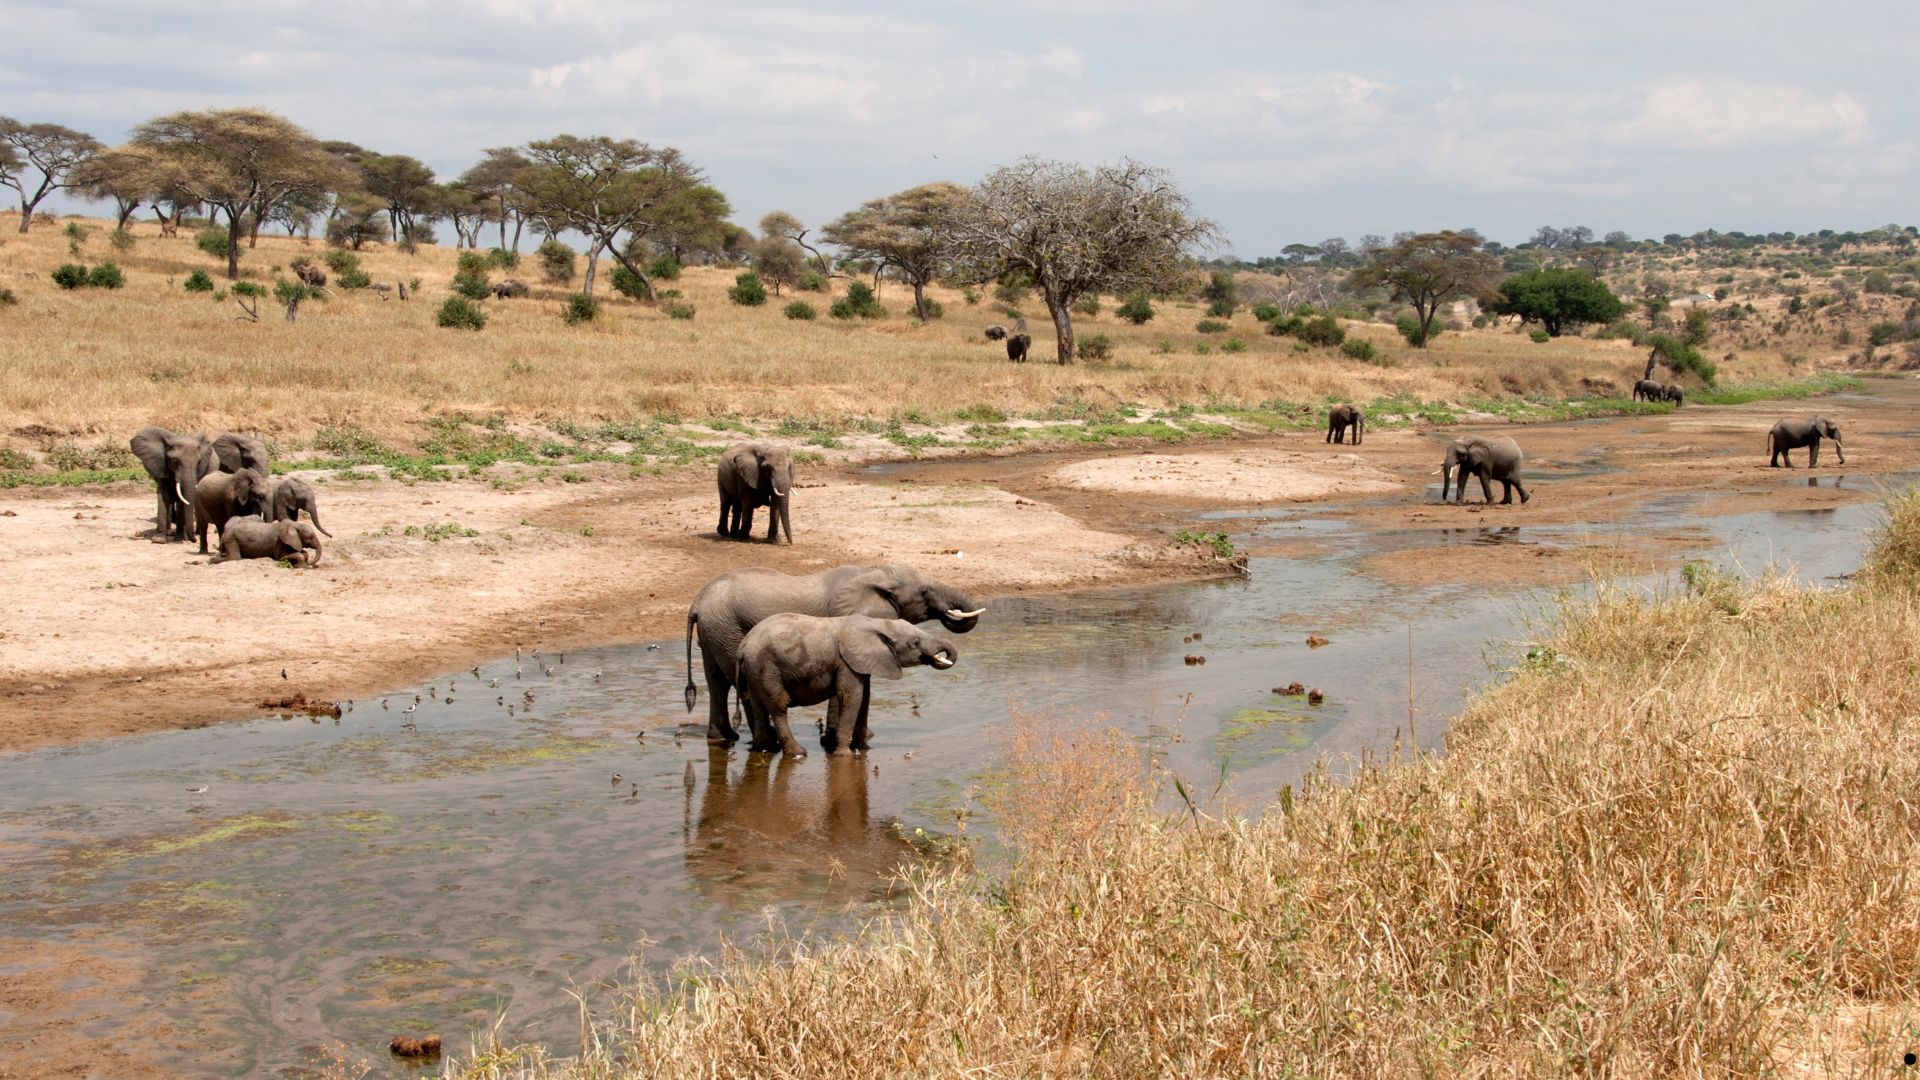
x=1813 y=454
x=1522 y=489
x=719 y=729
x=830 y=735
x=759 y=720
x=844 y=715
x=777 y=720
x=860 y=721
x=1486 y=489
x=743 y=519
x=724 y=527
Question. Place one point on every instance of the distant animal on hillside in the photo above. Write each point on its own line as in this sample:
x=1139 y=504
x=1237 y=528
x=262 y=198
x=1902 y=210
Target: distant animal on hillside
x=385 y=290
x=996 y=332
x=510 y=288
x=1017 y=345
x=1341 y=417
x=1646 y=390
x=310 y=274
x=1674 y=394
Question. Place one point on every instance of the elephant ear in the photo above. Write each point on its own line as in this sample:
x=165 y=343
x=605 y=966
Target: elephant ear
x=867 y=594
x=867 y=649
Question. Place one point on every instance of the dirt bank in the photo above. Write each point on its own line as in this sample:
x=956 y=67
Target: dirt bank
x=109 y=633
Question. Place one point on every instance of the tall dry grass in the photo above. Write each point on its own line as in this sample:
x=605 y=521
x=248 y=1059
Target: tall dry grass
x=91 y=361
x=1680 y=840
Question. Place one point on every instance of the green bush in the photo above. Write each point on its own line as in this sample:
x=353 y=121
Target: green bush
x=556 y=261
x=1088 y=305
x=1203 y=349
x=581 y=308
x=679 y=311
x=212 y=241
x=198 y=281
x=857 y=304
x=664 y=267
x=1212 y=326
x=1266 y=313
x=341 y=262
x=471 y=280
x=1409 y=327
x=1539 y=336
x=1233 y=344
x=935 y=310
x=1095 y=347
x=801 y=310
x=355 y=278
x=1221 y=293
x=1325 y=330
x=501 y=259
x=971 y=295
x=249 y=288
x=1136 y=309
x=1013 y=287
x=284 y=291
x=1360 y=349
x=122 y=240
x=1480 y=322
x=1221 y=309
x=815 y=281
x=460 y=313
x=105 y=276
x=628 y=284
x=70 y=276
x=470 y=262
x=1286 y=325
x=7 y=299
x=747 y=291
x=1883 y=333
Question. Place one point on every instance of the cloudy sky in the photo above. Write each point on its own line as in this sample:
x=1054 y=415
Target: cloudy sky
x=1290 y=120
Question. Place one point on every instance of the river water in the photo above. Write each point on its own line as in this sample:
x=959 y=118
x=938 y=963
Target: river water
x=339 y=882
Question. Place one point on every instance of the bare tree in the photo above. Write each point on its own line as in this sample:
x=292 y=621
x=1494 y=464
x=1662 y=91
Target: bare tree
x=907 y=231
x=1115 y=228
x=1431 y=269
x=239 y=161
x=49 y=149
x=603 y=188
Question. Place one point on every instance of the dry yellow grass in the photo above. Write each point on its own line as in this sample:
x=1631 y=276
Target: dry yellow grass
x=98 y=362
x=1680 y=841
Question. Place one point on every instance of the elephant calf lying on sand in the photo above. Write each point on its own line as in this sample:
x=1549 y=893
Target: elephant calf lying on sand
x=1794 y=434
x=790 y=660
x=252 y=538
x=1496 y=459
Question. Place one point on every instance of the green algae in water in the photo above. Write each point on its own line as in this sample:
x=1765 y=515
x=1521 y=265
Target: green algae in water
x=1267 y=731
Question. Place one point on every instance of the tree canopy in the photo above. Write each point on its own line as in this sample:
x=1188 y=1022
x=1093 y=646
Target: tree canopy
x=604 y=188
x=1073 y=230
x=1428 y=270
x=907 y=231
x=49 y=149
x=1556 y=299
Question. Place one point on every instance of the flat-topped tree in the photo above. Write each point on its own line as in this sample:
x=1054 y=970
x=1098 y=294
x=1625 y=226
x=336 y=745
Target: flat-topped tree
x=907 y=231
x=604 y=188
x=121 y=175
x=1073 y=230
x=496 y=177
x=1429 y=270
x=49 y=149
x=240 y=162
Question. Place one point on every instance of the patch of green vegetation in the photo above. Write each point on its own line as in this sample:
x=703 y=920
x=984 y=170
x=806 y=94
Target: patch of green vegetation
x=440 y=530
x=1220 y=542
x=913 y=443
x=1813 y=386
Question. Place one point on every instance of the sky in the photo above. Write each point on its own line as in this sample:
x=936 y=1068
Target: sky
x=1286 y=121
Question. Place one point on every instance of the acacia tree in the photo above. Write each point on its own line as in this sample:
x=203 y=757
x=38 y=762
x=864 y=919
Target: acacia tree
x=1428 y=270
x=1115 y=228
x=122 y=175
x=406 y=185
x=1556 y=299
x=603 y=187
x=907 y=231
x=51 y=150
x=693 y=225
x=496 y=178
x=467 y=209
x=780 y=225
x=240 y=162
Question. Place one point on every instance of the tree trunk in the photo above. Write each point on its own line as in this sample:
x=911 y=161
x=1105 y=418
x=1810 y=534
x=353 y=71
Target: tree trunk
x=593 y=264
x=1062 y=326
x=517 y=222
x=1653 y=355
x=26 y=212
x=503 y=224
x=233 y=245
x=1426 y=314
x=919 y=299
x=645 y=281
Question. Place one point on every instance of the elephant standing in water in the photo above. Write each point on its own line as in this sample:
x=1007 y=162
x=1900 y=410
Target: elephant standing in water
x=728 y=607
x=790 y=660
x=1495 y=459
x=752 y=475
x=1340 y=418
x=1794 y=434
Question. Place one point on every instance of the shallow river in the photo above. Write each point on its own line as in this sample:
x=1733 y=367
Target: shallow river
x=339 y=882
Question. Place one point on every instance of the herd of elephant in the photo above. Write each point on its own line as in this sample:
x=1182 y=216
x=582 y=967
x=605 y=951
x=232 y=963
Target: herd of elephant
x=1649 y=390
x=225 y=483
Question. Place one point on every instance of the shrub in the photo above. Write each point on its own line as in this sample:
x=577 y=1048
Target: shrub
x=581 y=308
x=212 y=241
x=1877 y=281
x=815 y=281
x=7 y=299
x=1221 y=293
x=801 y=310
x=1088 y=305
x=627 y=283
x=935 y=310
x=1539 y=336
x=556 y=261
x=198 y=281
x=460 y=313
x=1013 y=287
x=1221 y=309
x=1883 y=333
x=1234 y=345
x=501 y=259
x=1096 y=347
x=1409 y=327
x=471 y=282
x=1325 y=330
x=679 y=311
x=341 y=262
x=122 y=240
x=1480 y=322
x=747 y=291
x=249 y=288
x=470 y=262
x=842 y=309
x=1266 y=313
x=1285 y=325
x=1203 y=349
x=857 y=304
x=357 y=278
x=971 y=295
x=1136 y=309
x=1212 y=326
x=1360 y=349
x=664 y=267
x=284 y=291
x=70 y=276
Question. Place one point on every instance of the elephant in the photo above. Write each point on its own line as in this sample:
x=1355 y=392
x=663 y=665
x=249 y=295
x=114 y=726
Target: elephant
x=731 y=605
x=1674 y=394
x=996 y=332
x=252 y=538
x=510 y=288
x=310 y=274
x=1341 y=417
x=1017 y=345
x=219 y=497
x=1646 y=390
x=287 y=497
x=1497 y=459
x=231 y=453
x=1794 y=434
x=753 y=475
x=173 y=461
x=788 y=660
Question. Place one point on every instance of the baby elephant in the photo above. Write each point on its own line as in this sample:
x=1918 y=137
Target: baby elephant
x=252 y=538
x=790 y=660
x=290 y=495
x=1342 y=417
x=1017 y=346
x=996 y=332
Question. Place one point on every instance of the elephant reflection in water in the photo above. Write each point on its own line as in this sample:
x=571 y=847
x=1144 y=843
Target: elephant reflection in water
x=775 y=832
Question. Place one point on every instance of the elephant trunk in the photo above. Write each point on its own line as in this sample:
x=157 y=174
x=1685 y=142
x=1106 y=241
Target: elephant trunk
x=315 y=515
x=317 y=552
x=1838 y=450
x=786 y=522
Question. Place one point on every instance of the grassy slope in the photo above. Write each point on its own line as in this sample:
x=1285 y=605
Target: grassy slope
x=1678 y=841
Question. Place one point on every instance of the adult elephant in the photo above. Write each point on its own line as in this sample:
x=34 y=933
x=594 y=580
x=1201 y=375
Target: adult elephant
x=790 y=660
x=1794 y=434
x=1342 y=417
x=1018 y=346
x=230 y=453
x=173 y=462
x=219 y=497
x=1489 y=459
x=290 y=495
x=1674 y=394
x=1646 y=390
x=727 y=608
x=753 y=475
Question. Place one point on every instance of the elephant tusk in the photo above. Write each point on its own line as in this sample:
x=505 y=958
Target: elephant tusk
x=956 y=613
x=781 y=494
x=942 y=660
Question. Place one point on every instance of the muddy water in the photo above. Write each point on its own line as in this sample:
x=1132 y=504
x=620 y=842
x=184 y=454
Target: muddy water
x=395 y=871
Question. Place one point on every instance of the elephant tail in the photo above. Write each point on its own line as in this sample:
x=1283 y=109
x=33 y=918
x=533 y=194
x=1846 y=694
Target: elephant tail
x=693 y=692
